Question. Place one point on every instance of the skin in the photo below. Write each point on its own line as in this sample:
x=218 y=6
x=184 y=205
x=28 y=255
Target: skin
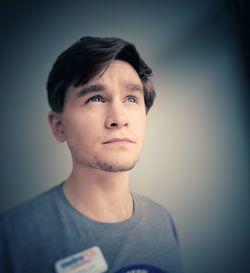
x=103 y=124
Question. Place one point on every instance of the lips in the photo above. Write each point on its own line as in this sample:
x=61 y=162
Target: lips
x=118 y=140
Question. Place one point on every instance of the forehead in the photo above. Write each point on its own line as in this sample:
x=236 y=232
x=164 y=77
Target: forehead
x=119 y=71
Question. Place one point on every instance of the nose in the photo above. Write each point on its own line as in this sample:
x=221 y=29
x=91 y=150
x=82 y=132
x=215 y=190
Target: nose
x=116 y=118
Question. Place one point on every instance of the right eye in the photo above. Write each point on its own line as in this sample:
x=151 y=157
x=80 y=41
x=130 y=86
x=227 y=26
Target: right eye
x=95 y=99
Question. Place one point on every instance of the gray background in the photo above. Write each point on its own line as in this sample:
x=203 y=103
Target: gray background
x=196 y=150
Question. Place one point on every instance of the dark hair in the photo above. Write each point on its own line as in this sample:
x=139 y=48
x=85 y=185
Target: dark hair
x=89 y=57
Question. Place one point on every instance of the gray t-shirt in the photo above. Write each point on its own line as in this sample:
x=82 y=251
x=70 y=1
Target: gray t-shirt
x=35 y=235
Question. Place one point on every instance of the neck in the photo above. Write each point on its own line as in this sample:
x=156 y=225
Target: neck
x=100 y=195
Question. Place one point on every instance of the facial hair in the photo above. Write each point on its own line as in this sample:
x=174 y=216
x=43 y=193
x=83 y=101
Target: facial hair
x=100 y=164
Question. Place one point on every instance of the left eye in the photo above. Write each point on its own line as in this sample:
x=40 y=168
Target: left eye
x=132 y=99
x=95 y=99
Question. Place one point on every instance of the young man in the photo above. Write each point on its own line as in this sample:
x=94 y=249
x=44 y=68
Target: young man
x=99 y=92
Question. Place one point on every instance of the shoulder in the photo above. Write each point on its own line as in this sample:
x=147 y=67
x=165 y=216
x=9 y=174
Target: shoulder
x=149 y=205
x=29 y=212
x=155 y=213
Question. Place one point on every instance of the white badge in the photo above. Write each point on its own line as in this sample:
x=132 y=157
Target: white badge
x=87 y=261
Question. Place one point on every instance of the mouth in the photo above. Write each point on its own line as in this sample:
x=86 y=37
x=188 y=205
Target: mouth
x=119 y=141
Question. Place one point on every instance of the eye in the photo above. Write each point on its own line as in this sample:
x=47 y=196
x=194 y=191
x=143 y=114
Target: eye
x=132 y=99
x=96 y=98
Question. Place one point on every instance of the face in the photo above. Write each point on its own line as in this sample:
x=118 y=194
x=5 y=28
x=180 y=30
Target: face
x=104 y=121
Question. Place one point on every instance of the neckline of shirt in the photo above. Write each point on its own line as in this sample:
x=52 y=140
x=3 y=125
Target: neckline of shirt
x=130 y=223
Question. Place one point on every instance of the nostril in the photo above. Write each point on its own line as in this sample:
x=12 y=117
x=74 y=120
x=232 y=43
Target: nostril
x=113 y=124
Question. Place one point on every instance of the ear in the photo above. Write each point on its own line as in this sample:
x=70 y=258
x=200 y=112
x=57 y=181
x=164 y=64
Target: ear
x=55 y=122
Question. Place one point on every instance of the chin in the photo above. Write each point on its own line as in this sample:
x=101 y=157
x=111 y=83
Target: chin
x=108 y=164
x=116 y=166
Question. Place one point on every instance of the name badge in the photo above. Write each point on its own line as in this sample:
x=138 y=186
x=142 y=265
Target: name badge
x=87 y=261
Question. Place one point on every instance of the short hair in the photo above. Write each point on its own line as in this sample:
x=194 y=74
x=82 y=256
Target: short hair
x=89 y=57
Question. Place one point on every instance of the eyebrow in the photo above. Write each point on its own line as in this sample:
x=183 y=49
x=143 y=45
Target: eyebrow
x=134 y=86
x=90 y=89
x=100 y=87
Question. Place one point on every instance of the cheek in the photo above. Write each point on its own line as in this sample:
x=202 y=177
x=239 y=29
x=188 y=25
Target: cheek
x=72 y=127
x=79 y=129
x=140 y=125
